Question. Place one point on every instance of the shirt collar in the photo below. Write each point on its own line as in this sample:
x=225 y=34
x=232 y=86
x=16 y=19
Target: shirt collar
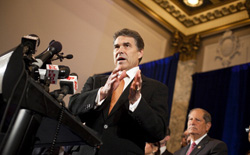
x=198 y=140
x=163 y=149
x=131 y=72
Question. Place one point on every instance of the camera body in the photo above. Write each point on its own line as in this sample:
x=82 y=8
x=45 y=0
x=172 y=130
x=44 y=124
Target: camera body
x=30 y=44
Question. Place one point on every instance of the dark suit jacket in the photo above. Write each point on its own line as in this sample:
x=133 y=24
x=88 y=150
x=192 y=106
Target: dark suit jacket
x=206 y=146
x=166 y=152
x=122 y=131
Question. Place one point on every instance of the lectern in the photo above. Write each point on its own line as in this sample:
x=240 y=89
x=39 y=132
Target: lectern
x=29 y=114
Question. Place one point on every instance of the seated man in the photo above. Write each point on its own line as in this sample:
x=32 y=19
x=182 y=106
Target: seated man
x=199 y=123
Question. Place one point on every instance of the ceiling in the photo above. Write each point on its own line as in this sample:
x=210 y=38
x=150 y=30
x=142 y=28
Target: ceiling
x=212 y=16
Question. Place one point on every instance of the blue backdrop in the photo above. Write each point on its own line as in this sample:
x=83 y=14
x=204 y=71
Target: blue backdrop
x=163 y=70
x=225 y=93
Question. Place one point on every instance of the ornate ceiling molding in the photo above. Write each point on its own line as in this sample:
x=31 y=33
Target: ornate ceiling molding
x=208 y=21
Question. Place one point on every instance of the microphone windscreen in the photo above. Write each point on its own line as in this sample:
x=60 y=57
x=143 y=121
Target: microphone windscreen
x=57 y=47
x=64 y=72
x=69 y=56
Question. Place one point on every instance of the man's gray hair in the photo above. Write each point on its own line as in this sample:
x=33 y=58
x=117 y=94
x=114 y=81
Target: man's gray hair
x=206 y=114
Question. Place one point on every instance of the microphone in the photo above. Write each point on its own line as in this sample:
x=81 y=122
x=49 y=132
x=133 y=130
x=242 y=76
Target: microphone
x=54 y=48
x=61 y=57
x=69 y=85
x=63 y=72
x=54 y=72
x=69 y=56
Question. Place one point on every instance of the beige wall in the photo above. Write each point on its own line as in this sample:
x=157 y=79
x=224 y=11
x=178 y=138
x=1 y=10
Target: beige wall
x=84 y=27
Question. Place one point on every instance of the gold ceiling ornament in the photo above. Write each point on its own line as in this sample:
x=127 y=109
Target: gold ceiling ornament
x=193 y=3
x=247 y=5
x=186 y=46
x=191 y=21
x=205 y=20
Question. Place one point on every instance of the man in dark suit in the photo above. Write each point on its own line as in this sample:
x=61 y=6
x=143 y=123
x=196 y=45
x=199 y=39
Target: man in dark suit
x=140 y=113
x=199 y=123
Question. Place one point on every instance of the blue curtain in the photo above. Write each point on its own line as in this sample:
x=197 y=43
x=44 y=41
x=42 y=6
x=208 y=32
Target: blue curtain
x=163 y=70
x=225 y=93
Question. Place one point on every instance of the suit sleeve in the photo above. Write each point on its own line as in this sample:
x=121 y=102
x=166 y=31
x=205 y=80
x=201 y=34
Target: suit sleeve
x=83 y=102
x=152 y=111
x=220 y=149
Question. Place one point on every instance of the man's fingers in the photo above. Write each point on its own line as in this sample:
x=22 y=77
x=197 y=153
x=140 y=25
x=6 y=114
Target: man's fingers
x=138 y=80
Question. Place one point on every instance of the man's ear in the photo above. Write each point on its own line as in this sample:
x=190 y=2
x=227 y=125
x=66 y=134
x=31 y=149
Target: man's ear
x=140 y=53
x=208 y=126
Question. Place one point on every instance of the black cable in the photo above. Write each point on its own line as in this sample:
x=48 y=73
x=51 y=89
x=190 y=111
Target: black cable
x=58 y=128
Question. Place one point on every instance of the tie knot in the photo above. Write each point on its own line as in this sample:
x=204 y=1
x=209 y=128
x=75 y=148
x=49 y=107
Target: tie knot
x=193 y=144
x=191 y=148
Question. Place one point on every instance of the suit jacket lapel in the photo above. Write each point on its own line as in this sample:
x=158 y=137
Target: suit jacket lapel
x=200 y=146
x=184 y=150
x=103 y=80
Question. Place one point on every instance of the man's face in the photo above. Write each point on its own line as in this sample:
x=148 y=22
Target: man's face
x=126 y=53
x=196 y=124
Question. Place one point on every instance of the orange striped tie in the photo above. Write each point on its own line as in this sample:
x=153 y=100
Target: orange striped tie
x=116 y=94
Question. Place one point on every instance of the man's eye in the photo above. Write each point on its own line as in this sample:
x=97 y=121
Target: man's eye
x=116 y=46
x=126 y=45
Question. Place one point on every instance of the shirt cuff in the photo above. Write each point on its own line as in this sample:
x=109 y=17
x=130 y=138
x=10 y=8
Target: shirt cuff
x=132 y=107
x=97 y=99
